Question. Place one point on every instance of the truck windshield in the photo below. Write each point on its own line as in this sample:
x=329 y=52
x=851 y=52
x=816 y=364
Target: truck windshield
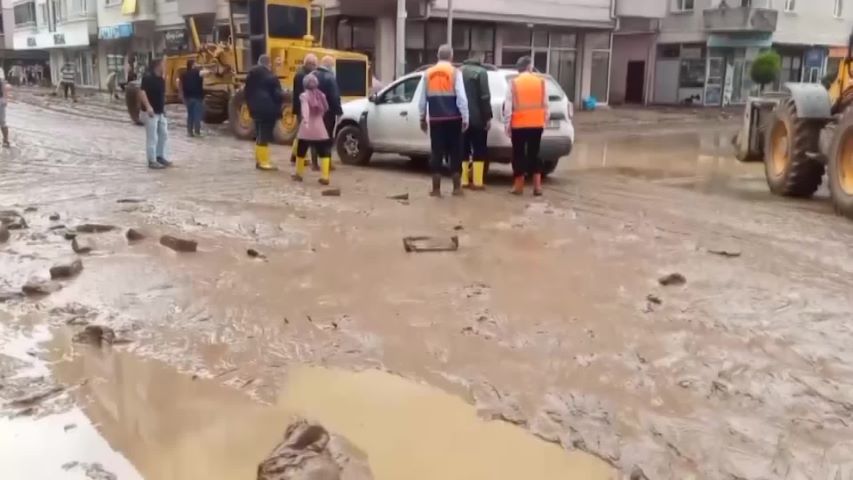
x=287 y=22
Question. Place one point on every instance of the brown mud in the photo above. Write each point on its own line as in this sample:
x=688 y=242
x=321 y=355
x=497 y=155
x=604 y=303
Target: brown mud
x=542 y=320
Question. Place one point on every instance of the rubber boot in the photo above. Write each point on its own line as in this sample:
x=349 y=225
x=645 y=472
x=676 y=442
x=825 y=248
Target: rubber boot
x=5 y=131
x=465 y=173
x=300 y=169
x=293 y=149
x=517 y=185
x=436 y=186
x=479 y=168
x=537 y=184
x=262 y=158
x=457 y=185
x=325 y=170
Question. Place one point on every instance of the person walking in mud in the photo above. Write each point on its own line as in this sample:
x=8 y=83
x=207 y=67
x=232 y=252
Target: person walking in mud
x=192 y=90
x=265 y=98
x=68 y=75
x=480 y=113
x=443 y=108
x=152 y=98
x=312 y=129
x=4 y=101
x=526 y=111
x=309 y=65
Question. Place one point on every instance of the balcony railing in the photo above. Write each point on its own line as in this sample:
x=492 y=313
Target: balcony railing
x=741 y=19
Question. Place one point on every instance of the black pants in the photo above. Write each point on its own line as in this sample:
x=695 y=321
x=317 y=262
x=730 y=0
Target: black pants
x=446 y=141
x=525 y=151
x=68 y=87
x=475 y=144
x=264 y=132
x=319 y=148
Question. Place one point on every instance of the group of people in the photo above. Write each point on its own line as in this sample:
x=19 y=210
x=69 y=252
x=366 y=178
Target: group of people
x=28 y=75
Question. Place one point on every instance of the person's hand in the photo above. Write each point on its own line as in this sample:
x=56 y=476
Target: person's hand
x=424 y=125
x=464 y=126
x=150 y=112
x=487 y=126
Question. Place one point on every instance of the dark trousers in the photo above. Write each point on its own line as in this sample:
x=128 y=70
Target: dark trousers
x=195 y=113
x=68 y=87
x=525 y=151
x=319 y=148
x=446 y=141
x=264 y=132
x=475 y=144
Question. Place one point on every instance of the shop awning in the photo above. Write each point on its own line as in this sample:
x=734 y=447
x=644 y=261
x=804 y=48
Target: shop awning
x=740 y=40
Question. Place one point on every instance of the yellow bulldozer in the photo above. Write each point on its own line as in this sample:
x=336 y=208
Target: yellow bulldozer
x=801 y=133
x=281 y=29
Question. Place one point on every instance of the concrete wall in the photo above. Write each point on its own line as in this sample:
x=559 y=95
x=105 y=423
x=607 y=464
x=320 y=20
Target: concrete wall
x=627 y=48
x=642 y=8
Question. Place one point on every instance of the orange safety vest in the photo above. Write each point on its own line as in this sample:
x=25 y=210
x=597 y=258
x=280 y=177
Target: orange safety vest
x=441 y=92
x=529 y=101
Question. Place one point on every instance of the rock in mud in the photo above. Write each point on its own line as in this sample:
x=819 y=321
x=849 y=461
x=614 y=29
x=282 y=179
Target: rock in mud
x=130 y=200
x=179 y=244
x=95 y=228
x=134 y=235
x=430 y=244
x=41 y=287
x=6 y=296
x=96 y=335
x=673 y=279
x=255 y=254
x=66 y=270
x=31 y=209
x=69 y=235
x=12 y=220
x=725 y=252
x=53 y=217
x=652 y=298
x=4 y=234
x=35 y=398
x=81 y=246
x=401 y=196
x=331 y=192
x=307 y=453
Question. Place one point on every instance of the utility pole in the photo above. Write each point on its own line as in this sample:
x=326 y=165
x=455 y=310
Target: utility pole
x=450 y=22
x=401 y=38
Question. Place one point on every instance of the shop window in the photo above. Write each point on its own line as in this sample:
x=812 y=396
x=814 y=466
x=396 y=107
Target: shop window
x=669 y=51
x=25 y=13
x=564 y=40
x=415 y=36
x=358 y=35
x=692 y=73
x=600 y=75
x=563 y=67
x=517 y=36
x=287 y=22
x=436 y=35
x=469 y=40
x=598 y=41
x=540 y=38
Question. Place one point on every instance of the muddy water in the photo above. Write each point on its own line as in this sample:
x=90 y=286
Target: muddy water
x=172 y=426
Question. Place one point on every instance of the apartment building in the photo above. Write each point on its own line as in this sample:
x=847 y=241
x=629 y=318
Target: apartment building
x=8 y=55
x=704 y=48
x=570 y=39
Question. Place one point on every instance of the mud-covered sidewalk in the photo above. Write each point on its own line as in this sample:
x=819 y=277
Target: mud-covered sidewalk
x=656 y=314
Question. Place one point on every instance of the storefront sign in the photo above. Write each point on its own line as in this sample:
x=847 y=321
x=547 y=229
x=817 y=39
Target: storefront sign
x=59 y=39
x=113 y=32
x=31 y=41
x=176 y=40
x=814 y=58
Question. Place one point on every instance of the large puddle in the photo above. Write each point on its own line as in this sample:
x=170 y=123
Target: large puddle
x=173 y=426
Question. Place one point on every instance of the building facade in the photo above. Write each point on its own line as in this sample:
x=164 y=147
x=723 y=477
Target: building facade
x=569 y=39
x=703 y=49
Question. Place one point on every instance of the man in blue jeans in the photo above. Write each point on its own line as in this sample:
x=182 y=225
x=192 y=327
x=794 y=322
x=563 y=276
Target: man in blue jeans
x=152 y=98
x=192 y=89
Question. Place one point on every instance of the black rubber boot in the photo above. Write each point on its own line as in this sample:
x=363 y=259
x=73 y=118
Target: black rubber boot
x=457 y=185
x=436 y=186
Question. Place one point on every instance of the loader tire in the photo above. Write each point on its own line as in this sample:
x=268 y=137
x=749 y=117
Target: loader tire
x=788 y=141
x=131 y=100
x=216 y=108
x=242 y=124
x=841 y=165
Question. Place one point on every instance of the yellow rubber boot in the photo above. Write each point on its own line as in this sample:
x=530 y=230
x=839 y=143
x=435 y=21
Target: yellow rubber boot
x=325 y=170
x=479 y=168
x=262 y=158
x=300 y=169
x=465 y=174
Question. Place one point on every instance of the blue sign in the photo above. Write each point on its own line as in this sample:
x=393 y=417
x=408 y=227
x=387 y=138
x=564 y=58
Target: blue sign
x=814 y=58
x=112 y=32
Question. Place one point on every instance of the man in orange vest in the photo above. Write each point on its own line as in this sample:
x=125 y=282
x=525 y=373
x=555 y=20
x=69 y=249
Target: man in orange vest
x=526 y=114
x=444 y=103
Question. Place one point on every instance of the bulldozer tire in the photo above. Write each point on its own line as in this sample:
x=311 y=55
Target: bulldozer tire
x=841 y=166
x=286 y=128
x=215 y=108
x=238 y=116
x=788 y=141
x=131 y=99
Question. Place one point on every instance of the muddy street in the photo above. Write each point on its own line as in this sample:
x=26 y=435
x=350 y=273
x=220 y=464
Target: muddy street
x=547 y=346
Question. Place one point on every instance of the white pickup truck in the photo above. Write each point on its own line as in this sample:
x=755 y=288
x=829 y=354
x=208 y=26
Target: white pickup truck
x=389 y=122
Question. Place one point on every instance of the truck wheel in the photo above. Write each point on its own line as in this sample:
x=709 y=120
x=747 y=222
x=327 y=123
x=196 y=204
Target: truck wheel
x=238 y=116
x=131 y=99
x=787 y=166
x=352 y=146
x=286 y=128
x=841 y=166
x=549 y=165
x=216 y=108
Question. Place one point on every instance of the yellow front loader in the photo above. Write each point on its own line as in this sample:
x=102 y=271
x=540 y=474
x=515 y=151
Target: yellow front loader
x=801 y=133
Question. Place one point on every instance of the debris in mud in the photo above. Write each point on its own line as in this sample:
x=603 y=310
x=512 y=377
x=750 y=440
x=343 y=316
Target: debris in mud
x=69 y=235
x=399 y=196
x=93 y=471
x=178 y=244
x=492 y=404
x=637 y=473
x=134 y=235
x=654 y=299
x=4 y=234
x=331 y=192
x=70 y=426
x=81 y=247
x=129 y=200
x=255 y=254
x=5 y=296
x=30 y=209
x=41 y=287
x=12 y=220
x=53 y=217
x=58 y=226
x=308 y=452
x=35 y=398
x=725 y=252
x=430 y=244
x=66 y=270
x=673 y=279
x=458 y=228
x=578 y=421
x=96 y=335
x=95 y=228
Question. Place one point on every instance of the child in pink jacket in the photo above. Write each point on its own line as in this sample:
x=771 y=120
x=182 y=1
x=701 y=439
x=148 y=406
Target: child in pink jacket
x=312 y=131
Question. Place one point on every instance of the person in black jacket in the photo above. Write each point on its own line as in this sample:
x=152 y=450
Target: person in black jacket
x=265 y=99
x=192 y=91
x=309 y=64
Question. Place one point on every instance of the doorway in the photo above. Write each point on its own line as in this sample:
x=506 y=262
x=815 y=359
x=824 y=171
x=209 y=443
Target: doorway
x=635 y=82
